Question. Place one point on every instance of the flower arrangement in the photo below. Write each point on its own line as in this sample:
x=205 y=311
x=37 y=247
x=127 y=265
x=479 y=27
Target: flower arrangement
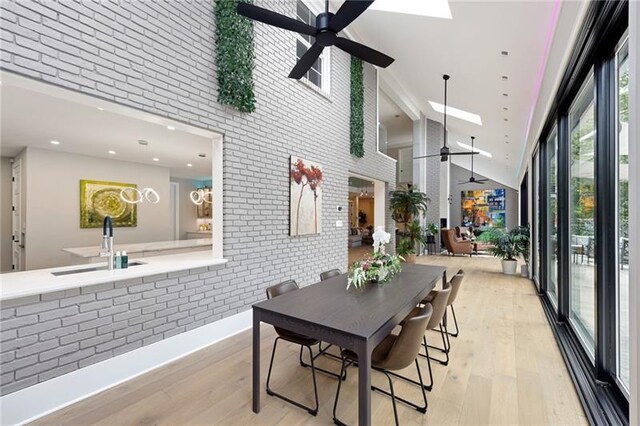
x=379 y=267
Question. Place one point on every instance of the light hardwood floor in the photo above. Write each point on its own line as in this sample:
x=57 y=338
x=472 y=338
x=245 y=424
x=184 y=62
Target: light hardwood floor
x=505 y=369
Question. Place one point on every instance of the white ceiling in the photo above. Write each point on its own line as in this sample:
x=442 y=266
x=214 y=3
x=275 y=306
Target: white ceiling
x=468 y=47
x=34 y=119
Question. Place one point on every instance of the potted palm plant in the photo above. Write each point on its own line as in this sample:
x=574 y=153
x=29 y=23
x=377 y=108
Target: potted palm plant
x=407 y=204
x=520 y=235
x=506 y=248
x=406 y=250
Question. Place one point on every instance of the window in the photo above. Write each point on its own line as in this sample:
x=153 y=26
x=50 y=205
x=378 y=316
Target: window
x=622 y=254
x=552 y=217
x=318 y=74
x=535 y=181
x=582 y=207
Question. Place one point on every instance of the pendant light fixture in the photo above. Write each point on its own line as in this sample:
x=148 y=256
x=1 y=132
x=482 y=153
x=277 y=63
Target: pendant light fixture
x=132 y=195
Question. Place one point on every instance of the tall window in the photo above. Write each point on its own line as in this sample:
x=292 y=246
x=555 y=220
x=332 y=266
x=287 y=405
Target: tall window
x=582 y=204
x=535 y=179
x=552 y=217
x=318 y=74
x=622 y=65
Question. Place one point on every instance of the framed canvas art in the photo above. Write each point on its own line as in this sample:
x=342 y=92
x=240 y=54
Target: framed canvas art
x=100 y=198
x=305 y=197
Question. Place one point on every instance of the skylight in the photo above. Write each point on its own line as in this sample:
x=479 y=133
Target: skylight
x=468 y=148
x=432 y=8
x=457 y=113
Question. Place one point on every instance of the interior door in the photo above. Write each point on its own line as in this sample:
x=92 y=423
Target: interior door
x=17 y=220
x=405 y=165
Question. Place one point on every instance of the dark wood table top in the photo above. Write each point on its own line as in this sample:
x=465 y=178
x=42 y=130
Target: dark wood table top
x=355 y=312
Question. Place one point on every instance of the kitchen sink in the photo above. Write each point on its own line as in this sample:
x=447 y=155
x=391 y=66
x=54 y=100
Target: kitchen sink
x=91 y=269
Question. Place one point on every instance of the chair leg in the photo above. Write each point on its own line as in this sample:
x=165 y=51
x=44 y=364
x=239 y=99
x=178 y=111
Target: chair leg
x=312 y=411
x=394 y=397
x=322 y=370
x=455 y=322
x=323 y=351
x=419 y=383
x=343 y=371
x=446 y=346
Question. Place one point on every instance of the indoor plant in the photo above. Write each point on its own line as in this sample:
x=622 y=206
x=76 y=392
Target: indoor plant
x=506 y=248
x=415 y=234
x=520 y=235
x=406 y=204
x=379 y=267
x=407 y=250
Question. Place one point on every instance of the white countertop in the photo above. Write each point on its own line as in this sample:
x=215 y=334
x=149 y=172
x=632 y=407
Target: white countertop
x=141 y=247
x=21 y=284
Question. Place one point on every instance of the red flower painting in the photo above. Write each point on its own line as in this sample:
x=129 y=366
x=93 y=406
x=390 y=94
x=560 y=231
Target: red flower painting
x=306 y=197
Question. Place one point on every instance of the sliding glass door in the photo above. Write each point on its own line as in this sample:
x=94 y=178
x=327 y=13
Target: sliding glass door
x=582 y=205
x=535 y=184
x=622 y=254
x=552 y=217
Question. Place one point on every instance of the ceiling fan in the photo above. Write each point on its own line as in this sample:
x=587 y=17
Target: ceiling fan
x=473 y=179
x=445 y=151
x=328 y=25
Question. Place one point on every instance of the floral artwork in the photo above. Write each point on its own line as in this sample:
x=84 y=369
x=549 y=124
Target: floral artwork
x=305 y=198
x=99 y=199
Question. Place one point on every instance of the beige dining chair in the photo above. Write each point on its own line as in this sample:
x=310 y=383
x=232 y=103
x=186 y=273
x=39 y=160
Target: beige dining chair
x=395 y=352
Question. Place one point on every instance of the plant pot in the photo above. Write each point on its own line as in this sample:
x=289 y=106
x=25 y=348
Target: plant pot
x=509 y=267
x=524 y=271
x=410 y=258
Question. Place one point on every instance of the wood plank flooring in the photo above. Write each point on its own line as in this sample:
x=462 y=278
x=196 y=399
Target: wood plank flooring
x=505 y=369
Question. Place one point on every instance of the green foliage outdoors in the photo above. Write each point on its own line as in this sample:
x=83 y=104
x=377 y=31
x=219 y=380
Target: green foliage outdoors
x=357 y=108
x=234 y=56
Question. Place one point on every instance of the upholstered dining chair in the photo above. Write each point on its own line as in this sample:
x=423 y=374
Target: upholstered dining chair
x=456 y=283
x=323 y=351
x=439 y=306
x=330 y=274
x=395 y=352
x=299 y=339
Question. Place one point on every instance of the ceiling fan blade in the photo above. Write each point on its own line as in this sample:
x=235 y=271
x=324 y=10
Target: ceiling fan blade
x=427 y=156
x=482 y=180
x=272 y=18
x=363 y=52
x=463 y=153
x=463 y=182
x=348 y=13
x=306 y=62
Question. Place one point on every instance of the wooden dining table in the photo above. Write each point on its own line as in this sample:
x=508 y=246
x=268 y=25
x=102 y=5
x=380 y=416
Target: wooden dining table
x=352 y=319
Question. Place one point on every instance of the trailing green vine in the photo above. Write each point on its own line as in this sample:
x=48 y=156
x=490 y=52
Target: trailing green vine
x=357 y=108
x=234 y=56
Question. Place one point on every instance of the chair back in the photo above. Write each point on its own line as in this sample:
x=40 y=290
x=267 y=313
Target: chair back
x=456 y=282
x=439 y=303
x=282 y=288
x=407 y=345
x=448 y=236
x=330 y=274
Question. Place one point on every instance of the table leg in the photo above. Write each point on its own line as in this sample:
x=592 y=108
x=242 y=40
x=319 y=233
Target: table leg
x=256 y=362
x=364 y=384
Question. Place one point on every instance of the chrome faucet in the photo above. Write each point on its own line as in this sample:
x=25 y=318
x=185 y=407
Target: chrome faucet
x=106 y=250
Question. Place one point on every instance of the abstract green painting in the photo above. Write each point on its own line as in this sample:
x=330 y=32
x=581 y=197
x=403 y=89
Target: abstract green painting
x=100 y=198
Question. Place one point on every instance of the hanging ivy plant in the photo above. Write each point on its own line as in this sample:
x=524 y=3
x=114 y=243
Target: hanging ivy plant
x=234 y=56
x=357 y=108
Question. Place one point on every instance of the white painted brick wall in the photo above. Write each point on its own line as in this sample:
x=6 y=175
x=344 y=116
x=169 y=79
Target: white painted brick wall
x=159 y=57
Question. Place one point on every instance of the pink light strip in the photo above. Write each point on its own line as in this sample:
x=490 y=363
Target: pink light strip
x=543 y=66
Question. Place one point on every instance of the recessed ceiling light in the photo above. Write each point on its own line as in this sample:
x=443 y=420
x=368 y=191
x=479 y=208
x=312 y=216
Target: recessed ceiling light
x=55 y=143
x=504 y=53
x=458 y=113
x=505 y=77
x=143 y=142
x=397 y=115
x=505 y=94
x=189 y=165
x=171 y=128
x=506 y=119
x=475 y=148
x=505 y=108
x=112 y=152
x=202 y=155
x=100 y=109
x=156 y=159
x=433 y=8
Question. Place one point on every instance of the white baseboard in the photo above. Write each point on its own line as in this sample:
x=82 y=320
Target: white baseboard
x=44 y=398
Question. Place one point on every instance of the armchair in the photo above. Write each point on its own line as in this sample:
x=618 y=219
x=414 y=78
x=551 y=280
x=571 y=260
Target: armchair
x=455 y=245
